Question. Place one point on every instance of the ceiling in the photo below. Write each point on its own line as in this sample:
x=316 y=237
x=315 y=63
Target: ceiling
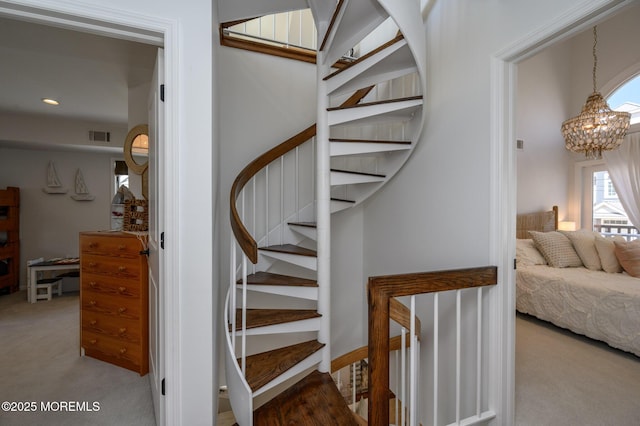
x=89 y=75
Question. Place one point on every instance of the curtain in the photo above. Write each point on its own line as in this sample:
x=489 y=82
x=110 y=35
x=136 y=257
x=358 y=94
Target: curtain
x=624 y=170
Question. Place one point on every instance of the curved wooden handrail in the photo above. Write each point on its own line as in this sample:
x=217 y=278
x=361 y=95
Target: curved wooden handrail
x=402 y=315
x=395 y=343
x=246 y=241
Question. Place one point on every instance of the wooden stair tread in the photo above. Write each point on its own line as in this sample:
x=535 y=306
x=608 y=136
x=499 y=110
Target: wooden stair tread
x=266 y=366
x=342 y=200
x=357 y=173
x=314 y=400
x=264 y=317
x=268 y=278
x=290 y=249
x=369 y=141
x=305 y=224
x=388 y=101
x=365 y=57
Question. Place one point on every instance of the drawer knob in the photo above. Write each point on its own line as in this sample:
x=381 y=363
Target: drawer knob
x=93 y=245
x=93 y=302
x=122 y=268
x=93 y=322
x=122 y=310
x=93 y=341
x=122 y=331
x=123 y=351
x=122 y=289
x=122 y=247
x=92 y=264
x=93 y=284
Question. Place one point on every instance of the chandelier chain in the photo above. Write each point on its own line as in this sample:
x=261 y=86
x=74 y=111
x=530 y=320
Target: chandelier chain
x=595 y=57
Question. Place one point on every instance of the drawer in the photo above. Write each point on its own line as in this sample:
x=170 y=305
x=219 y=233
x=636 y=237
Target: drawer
x=110 y=246
x=112 y=350
x=102 y=284
x=123 y=329
x=111 y=306
x=118 y=267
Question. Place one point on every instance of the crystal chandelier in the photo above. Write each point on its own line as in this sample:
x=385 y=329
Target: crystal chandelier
x=597 y=128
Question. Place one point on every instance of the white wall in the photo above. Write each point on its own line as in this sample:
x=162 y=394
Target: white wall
x=50 y=223
x=544 y=165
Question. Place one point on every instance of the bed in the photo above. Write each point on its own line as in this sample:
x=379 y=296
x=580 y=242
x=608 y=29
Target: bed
x=591 y=288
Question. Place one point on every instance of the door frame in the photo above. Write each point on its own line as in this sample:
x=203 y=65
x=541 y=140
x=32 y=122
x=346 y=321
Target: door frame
x=160 y=33
x=503 y=197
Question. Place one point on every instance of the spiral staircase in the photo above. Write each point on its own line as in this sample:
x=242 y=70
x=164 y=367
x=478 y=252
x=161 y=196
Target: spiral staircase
x=370 y=116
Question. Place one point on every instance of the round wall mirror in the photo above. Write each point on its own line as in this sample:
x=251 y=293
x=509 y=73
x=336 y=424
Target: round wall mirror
x=136 y=149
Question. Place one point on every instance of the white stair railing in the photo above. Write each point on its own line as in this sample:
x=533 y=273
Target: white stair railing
x=453 y=361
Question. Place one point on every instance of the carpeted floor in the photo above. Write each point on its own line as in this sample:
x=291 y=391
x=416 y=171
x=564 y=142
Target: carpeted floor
x=566 y=379
x=561 y=378
x=41 y=369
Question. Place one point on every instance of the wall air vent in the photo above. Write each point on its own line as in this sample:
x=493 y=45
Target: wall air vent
x=96 y=136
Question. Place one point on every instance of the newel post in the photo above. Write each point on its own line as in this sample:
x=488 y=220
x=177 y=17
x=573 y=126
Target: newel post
x=378 y=354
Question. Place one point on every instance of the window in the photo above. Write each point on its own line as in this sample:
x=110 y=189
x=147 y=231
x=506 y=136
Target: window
x=627 y=98
x=121 y=174
x=601 y=206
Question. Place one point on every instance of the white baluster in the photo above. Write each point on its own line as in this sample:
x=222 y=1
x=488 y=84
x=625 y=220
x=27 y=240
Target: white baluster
x=436 y=367
x=413 y=367
x=458 y=344
x=282 y=213
x=244 y=314
x=266 y=202
x=354 y=385
x=479 y=356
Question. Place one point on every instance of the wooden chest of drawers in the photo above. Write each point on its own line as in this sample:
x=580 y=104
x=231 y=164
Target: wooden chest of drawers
x=114 y=312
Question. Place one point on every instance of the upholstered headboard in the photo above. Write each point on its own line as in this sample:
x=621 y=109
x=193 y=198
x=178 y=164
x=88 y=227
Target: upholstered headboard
x=541 y=221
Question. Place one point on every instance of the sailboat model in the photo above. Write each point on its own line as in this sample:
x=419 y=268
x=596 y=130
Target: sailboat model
x=53 y=183
x=82 y=192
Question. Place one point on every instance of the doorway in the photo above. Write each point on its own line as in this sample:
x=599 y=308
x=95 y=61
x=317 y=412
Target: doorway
x=156 y=33
x=506 y=70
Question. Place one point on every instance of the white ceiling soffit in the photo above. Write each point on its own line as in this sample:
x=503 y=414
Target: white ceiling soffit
x=44 y=146
x=233 y=10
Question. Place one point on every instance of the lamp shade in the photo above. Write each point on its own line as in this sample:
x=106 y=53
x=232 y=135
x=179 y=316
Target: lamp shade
x=121 y=168
x=566 y=225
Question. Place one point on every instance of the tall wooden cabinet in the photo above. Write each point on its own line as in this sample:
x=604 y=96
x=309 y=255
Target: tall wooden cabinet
x=9 y=240
x=114 y=312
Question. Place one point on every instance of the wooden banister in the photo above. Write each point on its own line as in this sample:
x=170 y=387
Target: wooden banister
x=395 y=343
x=381 y=290
x=402 y=315
x=243 y=237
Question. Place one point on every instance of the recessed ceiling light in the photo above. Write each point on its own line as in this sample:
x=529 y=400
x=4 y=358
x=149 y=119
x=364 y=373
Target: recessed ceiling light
x=50 y=101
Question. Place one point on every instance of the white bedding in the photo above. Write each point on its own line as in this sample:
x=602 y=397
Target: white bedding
x=597 y=304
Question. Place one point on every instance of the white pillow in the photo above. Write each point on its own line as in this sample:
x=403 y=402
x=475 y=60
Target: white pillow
x=527 y=253
x=606 y=251
x=584 y=243
x=556 y=249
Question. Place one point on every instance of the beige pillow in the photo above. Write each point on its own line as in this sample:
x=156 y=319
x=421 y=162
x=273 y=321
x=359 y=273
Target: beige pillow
x=628 y=254
x=556 y=249
x=606 y=251
x=528 y=254
x=584 y=243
